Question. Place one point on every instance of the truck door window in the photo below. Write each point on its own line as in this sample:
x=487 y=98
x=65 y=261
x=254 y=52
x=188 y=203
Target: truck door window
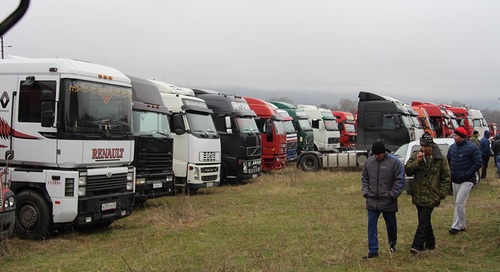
x=30 y=100
x=388 y=122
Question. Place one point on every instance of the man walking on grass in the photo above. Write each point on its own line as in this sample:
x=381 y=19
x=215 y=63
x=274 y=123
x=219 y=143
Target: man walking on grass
x=382 y=181
x=465 y=160
x=431 y=182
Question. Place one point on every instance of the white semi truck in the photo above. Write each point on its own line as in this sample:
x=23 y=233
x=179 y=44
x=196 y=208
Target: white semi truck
x=325 y=128
x=65 y=132
x=197 y=145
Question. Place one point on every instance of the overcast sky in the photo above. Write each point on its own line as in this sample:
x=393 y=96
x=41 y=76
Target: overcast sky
x=311 y=51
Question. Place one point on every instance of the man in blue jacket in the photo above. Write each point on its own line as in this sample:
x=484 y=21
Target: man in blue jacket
x=465 y=160
x=485 y=148
x=382 y=181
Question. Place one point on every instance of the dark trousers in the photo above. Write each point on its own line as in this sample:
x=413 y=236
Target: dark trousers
x=392 y=229
x=424 y=236
x=486 y=159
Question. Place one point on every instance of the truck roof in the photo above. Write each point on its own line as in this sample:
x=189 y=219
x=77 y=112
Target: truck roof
x=226 y=104
x=62 y=66
x=262 y=108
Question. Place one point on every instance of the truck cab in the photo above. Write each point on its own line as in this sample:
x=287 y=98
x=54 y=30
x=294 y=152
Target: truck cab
x=241 y=144
x=423 y=119
x=153 y=151
x=325 y=128
x=197 y=145
x=382 y=118
x=77 y=117
x=302 y=125
x=348 y=134
x=273 y=136
x=291 y=135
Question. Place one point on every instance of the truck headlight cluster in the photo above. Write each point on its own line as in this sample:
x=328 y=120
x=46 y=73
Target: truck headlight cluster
x=10 y=202
x=82 y=182
x=140 y=181
x=196 y=173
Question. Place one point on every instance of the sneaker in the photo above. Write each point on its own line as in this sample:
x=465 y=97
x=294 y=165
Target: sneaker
x=393 y=249
x=415 y=251
x=370 y=255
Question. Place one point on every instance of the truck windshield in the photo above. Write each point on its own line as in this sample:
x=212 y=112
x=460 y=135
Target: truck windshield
x=278 y=126
x=150 y=123
x=406 y=121
x=349 y=128
x=331 y=125
x=288 y=125
x=305 y=125
x=247 y=124
x=201 y=125
x=91 y=107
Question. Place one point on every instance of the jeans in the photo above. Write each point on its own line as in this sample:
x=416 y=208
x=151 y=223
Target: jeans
x=392 y=229
x=486 y=160
x=424 y=236
x=497 y=160
x=461 y=195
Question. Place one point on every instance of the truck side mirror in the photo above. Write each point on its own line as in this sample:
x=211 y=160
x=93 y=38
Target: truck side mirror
x=227 y=120
x=47 y=113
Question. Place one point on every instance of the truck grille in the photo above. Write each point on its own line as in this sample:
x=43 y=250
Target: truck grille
x=154 y=162
x=209 y=156
x=102 y=185
x=254 y=151
x=309 y=141
x=209 y=178
x=291 y=145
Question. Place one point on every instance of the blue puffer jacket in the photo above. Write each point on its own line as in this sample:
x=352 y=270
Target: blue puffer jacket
x=484 y=144
x=464 y=159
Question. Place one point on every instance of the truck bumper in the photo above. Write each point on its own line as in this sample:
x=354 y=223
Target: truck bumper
x=7 y=223
x=154 y=188
x=102 y=209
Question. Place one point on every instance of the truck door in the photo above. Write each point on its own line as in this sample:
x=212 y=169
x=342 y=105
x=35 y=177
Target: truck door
x=31 y=142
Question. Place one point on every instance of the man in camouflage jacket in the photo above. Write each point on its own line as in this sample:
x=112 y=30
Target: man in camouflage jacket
x=430 y=184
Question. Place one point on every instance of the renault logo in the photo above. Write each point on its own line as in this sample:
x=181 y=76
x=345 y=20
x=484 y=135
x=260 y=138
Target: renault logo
x=110 y=173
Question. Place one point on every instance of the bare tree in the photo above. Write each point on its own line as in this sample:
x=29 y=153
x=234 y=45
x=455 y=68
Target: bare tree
x=348 y=105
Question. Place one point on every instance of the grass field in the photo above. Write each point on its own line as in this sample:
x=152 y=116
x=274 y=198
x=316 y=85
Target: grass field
x=284 y=221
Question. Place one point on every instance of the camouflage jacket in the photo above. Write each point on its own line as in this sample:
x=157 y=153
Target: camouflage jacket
x=431 y=180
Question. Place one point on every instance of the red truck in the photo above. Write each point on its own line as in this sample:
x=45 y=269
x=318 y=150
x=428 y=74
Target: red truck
x=462 y=115
x=347 y=128
x=438 y=117
x=270 y=124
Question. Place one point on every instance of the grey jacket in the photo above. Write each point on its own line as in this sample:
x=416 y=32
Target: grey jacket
x=382 y=183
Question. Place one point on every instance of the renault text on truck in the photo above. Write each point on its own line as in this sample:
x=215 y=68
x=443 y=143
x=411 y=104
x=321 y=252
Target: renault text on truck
x=325 y=128
x=270 y=124
x=65 y=125
x=153 y=152
x=382 y=118
x=302 y=126
x=197 y=145
x=241 y=144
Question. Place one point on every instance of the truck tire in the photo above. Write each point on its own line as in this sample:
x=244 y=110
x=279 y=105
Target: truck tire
x=309 y=163
x=33 y=216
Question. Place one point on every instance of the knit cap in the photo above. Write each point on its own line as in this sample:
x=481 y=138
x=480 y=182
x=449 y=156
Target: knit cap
x=460 y=131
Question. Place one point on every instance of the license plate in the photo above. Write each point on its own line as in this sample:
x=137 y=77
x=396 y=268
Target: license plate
x=210 y=184
x=254 y=176
x=157 y=185
x=109 y=206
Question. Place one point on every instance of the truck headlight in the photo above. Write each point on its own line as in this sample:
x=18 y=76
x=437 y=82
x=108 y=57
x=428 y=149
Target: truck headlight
x=82 y=181
x=130 y=176
x=196 y=173
x=130 y=186
x=140 y=181
x=169 y=178
x=82 y=191
x=11 y=202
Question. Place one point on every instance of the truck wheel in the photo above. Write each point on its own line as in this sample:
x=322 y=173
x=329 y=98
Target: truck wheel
x=309 y=163
x=33 y=216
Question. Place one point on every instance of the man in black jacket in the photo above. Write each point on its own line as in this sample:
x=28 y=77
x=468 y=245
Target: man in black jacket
x=382 y=183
